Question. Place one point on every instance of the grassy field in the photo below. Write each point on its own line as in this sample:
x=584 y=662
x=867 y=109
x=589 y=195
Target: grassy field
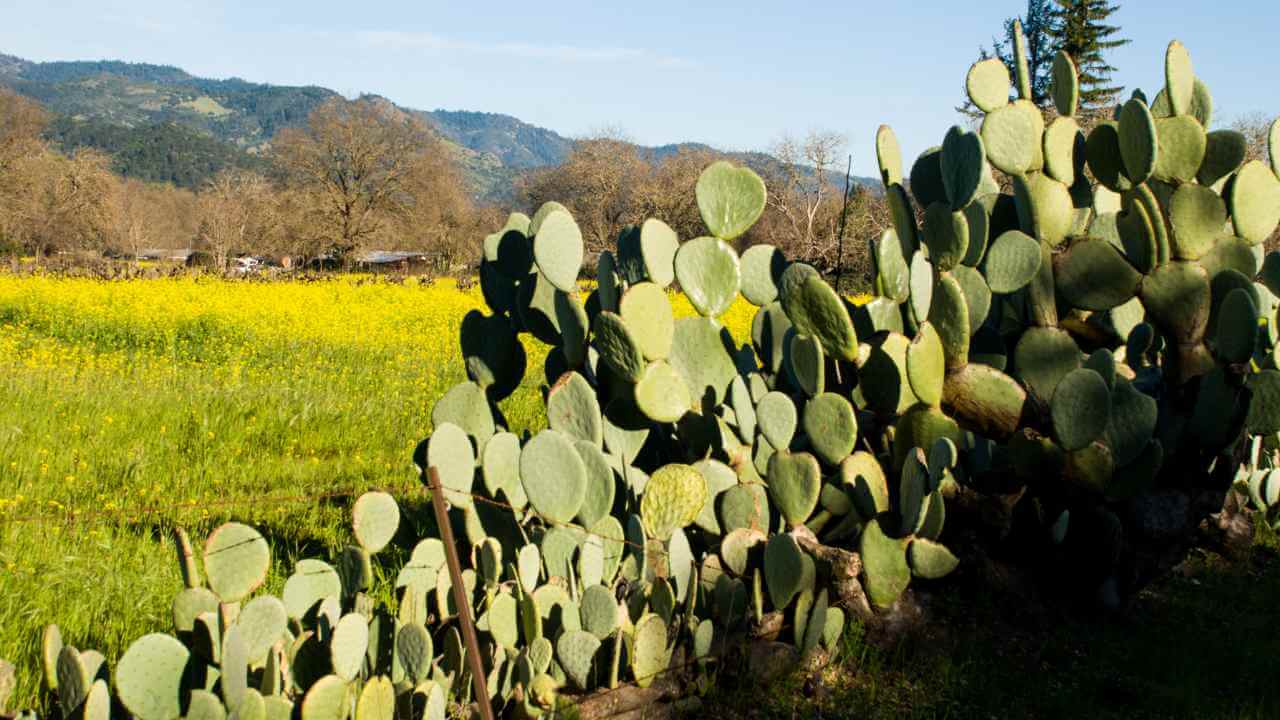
x=127 y=408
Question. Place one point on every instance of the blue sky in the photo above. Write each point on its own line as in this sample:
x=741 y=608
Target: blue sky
x=736 y=75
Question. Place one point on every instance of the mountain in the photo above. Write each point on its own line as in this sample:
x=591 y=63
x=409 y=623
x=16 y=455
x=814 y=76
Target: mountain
x=159 y=122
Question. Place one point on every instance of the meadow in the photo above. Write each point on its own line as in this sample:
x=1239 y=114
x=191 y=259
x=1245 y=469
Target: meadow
x=127 y=408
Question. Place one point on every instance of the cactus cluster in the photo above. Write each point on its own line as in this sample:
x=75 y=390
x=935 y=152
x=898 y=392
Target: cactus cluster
x=1097 y=340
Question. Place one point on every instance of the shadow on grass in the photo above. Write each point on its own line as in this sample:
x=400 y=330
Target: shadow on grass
x=1200 y=644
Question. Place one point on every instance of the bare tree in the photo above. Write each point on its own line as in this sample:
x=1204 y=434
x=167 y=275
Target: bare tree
x=61 y=202
x=21 y=122
x=803 y=197
x=236 y=214
x=354 y=158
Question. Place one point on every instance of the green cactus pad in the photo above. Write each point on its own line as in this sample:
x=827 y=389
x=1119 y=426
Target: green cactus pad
x=949 y=315
x=926 y=178
x=327 y=699
x=926 y=365
x=815 y=309
x=963 y=166
x=312 y=582
x=650 y=655
x=572 y=320
x=414 y=651
x=1139 y=146
x=977 y=294
x=888 y=156
x=1012 y=136
x=744 y=507
x=709 y=273
x=1062 y=141
x=783 y=569
x=187 y=606
x=450 y=452
x=1225 y=152
x=719 y=477
x=599 y=610
x=619 y=347
x=608 y=281
x=1042 y=358
x=545 y=209
x=1183 y=145
x=672 y=499
x=1180 y=78
x=1011 y=261
x=1133 y=420
x=922 y=279
x=494 y=357
x=1177 y=298
x=904 y=218
x=558 y=250
x=1196 y=216
x=805 y=364
x=661 y=393
x=1254 y=195
x=946 y=234
x=1045 y=208
x=554 y=478
x=658 y=246
x=1237 y=327
x=920 y=427
x=930 y=560
x=776 y=417
x=377 y=700
x=500 y=468
x=884 y=562
x=891 y=268
x=1093 y=275
x=236 y=559
x=913 y=491
x=601 y=484
x=1066 y=84
x=74 y=679
x=572 y=408
x=744 y=409
x=204 y=705
x=886 y=388
x=699 y=353
x=730 y=199
x=466 y=406
x=348 y=646
x=1081 y=409
x=832 y=428
x=761 y=267
x=504 y=623
x=576 y=649
x=262 y=622
x=375 y=516
x=795 y=481
x=988 y=84
x=149 y=677
x=864 y=478
x=1102 y=149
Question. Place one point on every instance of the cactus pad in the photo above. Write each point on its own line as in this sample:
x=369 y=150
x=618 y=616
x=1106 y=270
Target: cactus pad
x=730 y=199
x=558 y=250
x=377 y=700
x=450 y=452
x=236 y=559
x=930 y=560
x=946 y=234
x=1012 y=262
x=1093 y=275
x=672 y=499
x=576 y=649
x=795 y=480
x=1081 y=409
x=661 y=393
x=1012 y=135
x=150 y=675
x=926 y=365
x=815 y=309
x=327 y=699
x=831 y=426
x=1254 y=196
x=884 y=561
x=776 y=418
x=650 y=655
x=1066 y=85
x=889 y=155
x=618 y=347
x=761 y=268
x=1180 y=78
x=709 y=273
x=783 y=570
x=374 y=519
x=348 y=646
x=554 y=478
x=647 y=313
x=963 y=166
x=988 y=84
x=1138 y=141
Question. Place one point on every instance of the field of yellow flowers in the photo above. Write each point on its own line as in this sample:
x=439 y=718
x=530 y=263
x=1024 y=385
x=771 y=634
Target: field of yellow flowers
x=129 y=407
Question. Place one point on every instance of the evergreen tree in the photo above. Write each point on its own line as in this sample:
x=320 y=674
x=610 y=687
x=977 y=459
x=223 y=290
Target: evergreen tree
x=1080 y=28
x=1037 y=27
